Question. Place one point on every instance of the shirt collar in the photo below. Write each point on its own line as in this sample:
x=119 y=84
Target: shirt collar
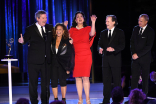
x=38 y=25
x=144 y=27
x=112 y=29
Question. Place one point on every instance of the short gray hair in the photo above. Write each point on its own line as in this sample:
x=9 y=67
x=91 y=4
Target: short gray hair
x=145 y=16
x=39 y=12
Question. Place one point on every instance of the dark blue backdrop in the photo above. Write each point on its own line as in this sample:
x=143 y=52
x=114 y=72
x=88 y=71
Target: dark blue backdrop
x=16 y=15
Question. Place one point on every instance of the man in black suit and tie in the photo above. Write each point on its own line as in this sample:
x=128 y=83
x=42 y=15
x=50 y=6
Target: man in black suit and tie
x=141 y=43
x=39 y=36
x=111 y=43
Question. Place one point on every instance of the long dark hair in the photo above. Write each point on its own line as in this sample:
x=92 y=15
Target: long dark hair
x=66 y=33
x=74 y=24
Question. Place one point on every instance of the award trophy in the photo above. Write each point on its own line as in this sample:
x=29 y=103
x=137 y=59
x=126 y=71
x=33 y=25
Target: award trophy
x=8 y=56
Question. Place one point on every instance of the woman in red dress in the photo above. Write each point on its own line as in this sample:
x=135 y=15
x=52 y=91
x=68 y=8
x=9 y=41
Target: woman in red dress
x=82 y=39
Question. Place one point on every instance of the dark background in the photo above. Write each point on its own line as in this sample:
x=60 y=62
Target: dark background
x=126 y=11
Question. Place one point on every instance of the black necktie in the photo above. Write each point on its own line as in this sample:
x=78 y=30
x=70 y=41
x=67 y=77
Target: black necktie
x=109 y=36
x=140 y=33
x=43 y=34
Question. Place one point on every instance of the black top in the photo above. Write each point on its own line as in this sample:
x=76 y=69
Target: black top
x=65 y=55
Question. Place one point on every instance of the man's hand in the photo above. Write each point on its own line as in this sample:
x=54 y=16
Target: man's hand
x=110 y=49
x=68 y=72
x=21 y=40
x=100 y=50
x=135 y=56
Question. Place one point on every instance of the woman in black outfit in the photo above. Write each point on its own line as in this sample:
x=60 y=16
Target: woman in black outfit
x=62 y=60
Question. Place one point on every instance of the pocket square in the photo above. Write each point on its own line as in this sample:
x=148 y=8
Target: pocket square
x=143 y=37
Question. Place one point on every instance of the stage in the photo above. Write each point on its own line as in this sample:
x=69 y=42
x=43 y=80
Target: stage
x=22 y=91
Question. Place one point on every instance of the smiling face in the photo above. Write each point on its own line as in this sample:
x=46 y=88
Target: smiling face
x=109 y=23
x=42 y=20
x=79 y=18
x=59 y=31
x=142 y=22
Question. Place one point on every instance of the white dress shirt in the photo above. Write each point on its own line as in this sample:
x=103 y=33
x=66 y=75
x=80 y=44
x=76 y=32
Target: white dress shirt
x=111 y=31
x=39 y=28
x=143 y=29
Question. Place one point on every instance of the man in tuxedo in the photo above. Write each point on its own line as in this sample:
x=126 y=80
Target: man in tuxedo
x=111 y=43
x=141 y=43
x=39 y=36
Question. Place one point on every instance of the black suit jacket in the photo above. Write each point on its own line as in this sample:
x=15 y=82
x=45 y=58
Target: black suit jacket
x=38 y=47
x=65 y=55
x=142 y=45
x=117 y=42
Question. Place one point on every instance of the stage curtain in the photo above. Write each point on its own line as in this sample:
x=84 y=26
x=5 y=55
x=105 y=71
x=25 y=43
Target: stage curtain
x=16 y=15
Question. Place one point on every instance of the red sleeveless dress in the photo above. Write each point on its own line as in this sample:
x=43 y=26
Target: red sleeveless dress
x=83 y=56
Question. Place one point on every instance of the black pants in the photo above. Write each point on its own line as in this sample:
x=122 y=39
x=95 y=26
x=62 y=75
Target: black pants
x=34 y=71
x=109 y=72
x=58 y=73
x=139 y=66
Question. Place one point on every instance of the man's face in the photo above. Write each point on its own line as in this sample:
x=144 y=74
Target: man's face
x=109 y=23
x=42 y=20
x=142 y=22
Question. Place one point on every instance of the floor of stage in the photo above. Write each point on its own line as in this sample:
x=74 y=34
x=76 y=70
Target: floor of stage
x=96 y=94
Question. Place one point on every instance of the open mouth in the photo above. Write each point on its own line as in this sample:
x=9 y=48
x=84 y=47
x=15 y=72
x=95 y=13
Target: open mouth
x=58 y=33
x=80 y=20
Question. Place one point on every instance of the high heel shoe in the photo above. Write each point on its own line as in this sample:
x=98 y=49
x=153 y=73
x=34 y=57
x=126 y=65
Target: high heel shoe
x=80 y=102
x=88 y=102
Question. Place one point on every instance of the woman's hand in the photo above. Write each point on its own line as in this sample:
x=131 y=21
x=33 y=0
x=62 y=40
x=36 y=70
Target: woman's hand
x=70 y=40
x=93 y=18
x=68 y=72
x=65 y=23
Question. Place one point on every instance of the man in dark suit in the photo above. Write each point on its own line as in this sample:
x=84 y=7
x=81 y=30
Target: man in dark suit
x=141 y=43
x=39 y=36
x=111 y=43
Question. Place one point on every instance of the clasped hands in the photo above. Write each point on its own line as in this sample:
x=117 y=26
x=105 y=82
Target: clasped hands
x=135 y=56
x=109 y=49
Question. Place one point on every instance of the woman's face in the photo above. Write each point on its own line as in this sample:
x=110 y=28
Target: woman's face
x=79 y=18
x=59 y=31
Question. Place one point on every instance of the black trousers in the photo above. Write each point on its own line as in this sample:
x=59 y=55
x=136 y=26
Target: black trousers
x=140 y=66
x=34 y=71
x=58 y=73
x=109 y=72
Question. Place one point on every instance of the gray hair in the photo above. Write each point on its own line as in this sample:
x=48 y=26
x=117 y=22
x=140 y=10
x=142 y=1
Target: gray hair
x=39 y=12
x=145 y=16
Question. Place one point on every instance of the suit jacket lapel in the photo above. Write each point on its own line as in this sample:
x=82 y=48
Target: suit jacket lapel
x=113 y=35
x=60 y=46
x=36 y=29
x=146 y=29
x=53 y=46
x=106 y=37
x=46 y=29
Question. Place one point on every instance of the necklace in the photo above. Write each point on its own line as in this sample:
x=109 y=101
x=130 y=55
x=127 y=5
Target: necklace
x=79 y=28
